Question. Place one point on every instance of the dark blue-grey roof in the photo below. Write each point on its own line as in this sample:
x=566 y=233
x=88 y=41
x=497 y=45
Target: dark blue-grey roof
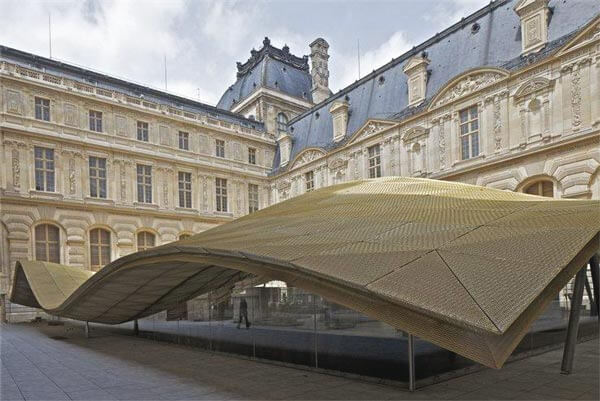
x=89 y=77
x=497 y=43
x=270 y=68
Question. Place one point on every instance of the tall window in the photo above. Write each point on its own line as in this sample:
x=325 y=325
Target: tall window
x=144 y=183
x=220 y=148
x=310 y=181
x=44 y=169
x=251 y=155
x=99 y=248
x=47 y=246
x=142 y=131
x=221 y=192
x=374 y=161
x=469 y=133
x=252 y=198
x=282 y=122
x=95 y=121
x=541 y=188
x=97 y=177
x=184 y=140
x=185 y=189
x=42 y=109
x=145 y=240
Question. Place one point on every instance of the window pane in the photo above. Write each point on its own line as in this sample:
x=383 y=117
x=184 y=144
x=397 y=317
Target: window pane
x=474 y=145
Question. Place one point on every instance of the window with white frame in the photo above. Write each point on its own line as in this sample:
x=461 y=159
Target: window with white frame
x=144 y=183
x=374 y=161
x=184 y=140
x=221 y=194
x=142 y=131
x=97 y=167
x=252 y=198
x=251 y=155
x=145 y=240
x=469 y=132
x=220 y=148
x=185 y=189
x=44 y=169
x=309 y=178
x=282 y=122
x=95 y=121
x=47 y=243
x=99 y=248
x=42 y=109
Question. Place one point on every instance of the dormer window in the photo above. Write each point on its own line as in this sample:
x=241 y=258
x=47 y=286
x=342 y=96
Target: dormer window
x=416 y=72
x=534 y=24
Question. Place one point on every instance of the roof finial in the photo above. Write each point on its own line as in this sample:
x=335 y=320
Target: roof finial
x=267 y=41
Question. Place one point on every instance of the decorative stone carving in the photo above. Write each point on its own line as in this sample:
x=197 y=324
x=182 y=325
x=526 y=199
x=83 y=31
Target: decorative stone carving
x=14 y=102
x=307 y=156
x=71 y=115
x=576 y=97
x=165 y=188
x=337 y=164
x=533 y=86
x=497 y=124
x=163 y=132
x=203 y=139
x=121 y=123
x=123 y=180
x=71 y=176
x=205 y=193
x=16 y=169
x=237 y=151
x=523 y=120
x=284 y=185
x=415 y=133
x=471 y=83
x=534 y=24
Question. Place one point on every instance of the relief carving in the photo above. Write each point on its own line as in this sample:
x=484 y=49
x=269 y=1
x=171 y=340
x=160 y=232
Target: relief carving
x=470 y=84
x=442 y=144
x=121 y=123
x=497 y=125
x=165 y=189
x=204 y=144
x=307 y=157
x=16 y=169
x=71 y=115
x=163 y=132
x=205 y=193
x=14 y=103
x=576 y=97
x=71 y=176
x=237 y=151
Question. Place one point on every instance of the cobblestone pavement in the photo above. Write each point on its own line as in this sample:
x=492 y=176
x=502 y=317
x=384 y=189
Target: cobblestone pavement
x=41 y=362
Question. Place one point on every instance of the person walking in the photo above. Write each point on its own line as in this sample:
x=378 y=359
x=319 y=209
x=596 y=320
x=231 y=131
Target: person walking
x=243 y=313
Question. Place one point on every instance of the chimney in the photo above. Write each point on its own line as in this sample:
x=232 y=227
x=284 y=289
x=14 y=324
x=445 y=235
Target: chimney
x=319 y=70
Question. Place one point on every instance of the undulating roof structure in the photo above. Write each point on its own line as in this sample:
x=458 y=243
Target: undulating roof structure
x=465 y=267
x=490 y=37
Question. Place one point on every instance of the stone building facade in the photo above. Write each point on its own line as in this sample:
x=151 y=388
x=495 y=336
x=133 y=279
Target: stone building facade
x=467 y=105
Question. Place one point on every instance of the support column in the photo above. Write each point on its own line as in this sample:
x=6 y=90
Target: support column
x=87 y=329
x=411 y=363
x=136 y=328
x=3 y=308
x=573 y=327
x=595 y=268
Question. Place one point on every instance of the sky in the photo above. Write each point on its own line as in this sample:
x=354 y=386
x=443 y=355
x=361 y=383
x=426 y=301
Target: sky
x=201 y=40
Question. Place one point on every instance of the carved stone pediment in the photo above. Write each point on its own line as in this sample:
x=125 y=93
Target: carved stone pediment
x=415 y=133
x=370 y=128
x=532 y=86
x=467 y=84
x=337 y=164
x=307 y=156
x=284 y=185
x=585 y=37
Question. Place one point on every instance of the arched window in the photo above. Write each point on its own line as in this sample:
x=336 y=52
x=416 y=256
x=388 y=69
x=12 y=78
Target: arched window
x=184 y=236
x=99 y=248
x=47 y=243
x=281 y=122
x=145 y=240
x=540 y=188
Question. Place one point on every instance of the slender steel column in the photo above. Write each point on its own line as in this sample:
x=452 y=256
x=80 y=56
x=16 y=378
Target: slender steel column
x=136 y=328
x=595 y=268
x=411 y=363
x=87 y=329
x=591 y=298
x=573 y=328
x=315 y=331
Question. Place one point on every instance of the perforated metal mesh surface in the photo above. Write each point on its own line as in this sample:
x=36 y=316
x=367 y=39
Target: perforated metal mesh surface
x=465 y=267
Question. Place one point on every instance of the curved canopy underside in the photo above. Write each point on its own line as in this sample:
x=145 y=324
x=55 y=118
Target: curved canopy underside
x=465 y=267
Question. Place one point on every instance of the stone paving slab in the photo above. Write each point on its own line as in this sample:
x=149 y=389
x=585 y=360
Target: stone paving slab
x=41 y=362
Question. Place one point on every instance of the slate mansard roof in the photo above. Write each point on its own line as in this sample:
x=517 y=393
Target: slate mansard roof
x=456 y=50
x=269 y=68
x=100 y=80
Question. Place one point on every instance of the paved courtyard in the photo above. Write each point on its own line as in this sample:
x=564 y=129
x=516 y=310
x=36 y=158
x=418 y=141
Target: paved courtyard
x=41 y=362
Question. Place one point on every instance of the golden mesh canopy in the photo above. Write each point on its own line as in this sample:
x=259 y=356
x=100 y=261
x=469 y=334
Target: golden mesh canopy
x=464 y=267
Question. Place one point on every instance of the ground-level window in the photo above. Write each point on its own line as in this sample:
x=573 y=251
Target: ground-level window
x=145 y=240
x=540 y=188
x=185 y=189
x=374 y=161
x=252 y=198
x=469 y=133
x=221 y=194
x=99 y=248
x=47 y=243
